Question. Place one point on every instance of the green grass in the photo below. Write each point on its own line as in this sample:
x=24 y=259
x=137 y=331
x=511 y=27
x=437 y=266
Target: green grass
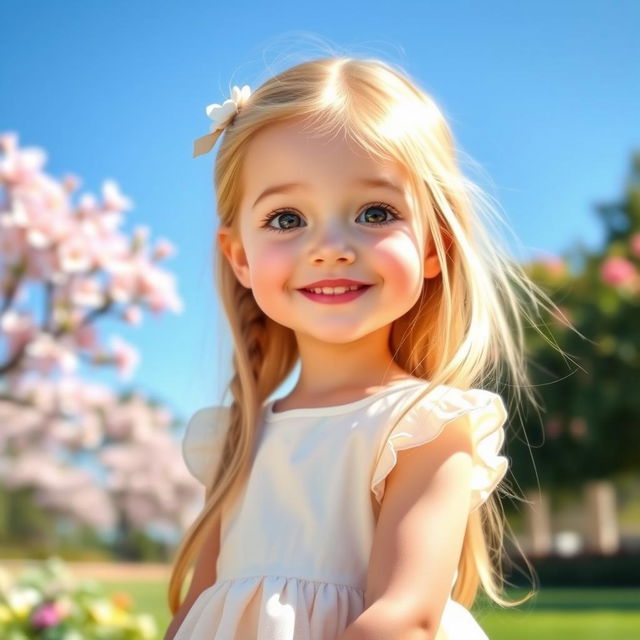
x=149 y=596
x=553 y=614
x=564 y=614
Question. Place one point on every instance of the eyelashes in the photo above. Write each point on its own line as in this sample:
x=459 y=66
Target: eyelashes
x=375 y=205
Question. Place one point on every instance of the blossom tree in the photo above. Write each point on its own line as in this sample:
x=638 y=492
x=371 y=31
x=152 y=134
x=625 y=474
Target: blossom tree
x=64 y=266
x=591 y=402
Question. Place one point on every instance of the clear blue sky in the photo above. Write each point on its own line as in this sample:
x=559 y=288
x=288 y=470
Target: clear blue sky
x=543 y=95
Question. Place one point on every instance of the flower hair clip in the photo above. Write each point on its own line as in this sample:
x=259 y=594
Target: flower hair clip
x=222 y=115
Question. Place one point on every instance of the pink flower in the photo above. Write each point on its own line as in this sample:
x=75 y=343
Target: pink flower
x=158 y=289
x=132 y=315
x=113 y=198
x=20 y=165
x=163 y=249
x=86 y=337
x=125 y=357
x=554 y=265
x=46 y=616
x=123 y=286
x=13 y=243
x=9 y=142
x=635 y=244
x=85 y=291
x=18 y=327
x=617 y=271
x=46 y=354
x=71 y=183
x=74 y=254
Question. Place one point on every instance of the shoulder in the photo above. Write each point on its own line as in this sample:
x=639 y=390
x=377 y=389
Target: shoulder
x=203 y=441
x=447 y=419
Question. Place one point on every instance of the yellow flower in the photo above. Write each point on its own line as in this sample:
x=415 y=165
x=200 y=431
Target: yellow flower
x=101 y=610
x=145 y=625
x=5 y=614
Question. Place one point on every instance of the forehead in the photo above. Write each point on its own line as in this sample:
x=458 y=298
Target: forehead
x=292 y=151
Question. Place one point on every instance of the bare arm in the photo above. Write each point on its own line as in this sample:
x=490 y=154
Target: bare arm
x=418 y=540
x=204 y=575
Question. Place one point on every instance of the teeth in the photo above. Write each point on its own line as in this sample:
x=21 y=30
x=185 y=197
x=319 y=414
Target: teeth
x=334 y=291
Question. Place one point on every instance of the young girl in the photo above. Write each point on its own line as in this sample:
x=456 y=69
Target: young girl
x=360 y=505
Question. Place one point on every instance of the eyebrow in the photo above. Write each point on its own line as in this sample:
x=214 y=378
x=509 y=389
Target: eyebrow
x=291 y=186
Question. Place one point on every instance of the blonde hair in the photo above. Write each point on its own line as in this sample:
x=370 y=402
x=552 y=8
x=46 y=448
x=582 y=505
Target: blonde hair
x=466 y=328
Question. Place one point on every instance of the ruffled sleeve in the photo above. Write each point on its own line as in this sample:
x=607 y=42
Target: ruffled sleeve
x=486 y=413
x=203 y=441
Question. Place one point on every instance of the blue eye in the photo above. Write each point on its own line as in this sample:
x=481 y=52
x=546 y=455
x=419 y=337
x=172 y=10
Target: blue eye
x=287 y=216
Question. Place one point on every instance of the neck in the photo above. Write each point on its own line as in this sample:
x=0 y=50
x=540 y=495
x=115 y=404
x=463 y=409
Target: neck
x=329 y=368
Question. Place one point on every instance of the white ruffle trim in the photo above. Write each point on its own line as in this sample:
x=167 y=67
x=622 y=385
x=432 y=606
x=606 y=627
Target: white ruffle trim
x=487 y=415
x=203 y=441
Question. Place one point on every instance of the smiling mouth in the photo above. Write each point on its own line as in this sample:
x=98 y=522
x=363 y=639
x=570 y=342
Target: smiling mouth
x=346 y=295
x=329 y=291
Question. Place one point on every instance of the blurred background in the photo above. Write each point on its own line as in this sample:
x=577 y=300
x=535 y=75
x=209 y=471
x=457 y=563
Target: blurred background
x=111 y=335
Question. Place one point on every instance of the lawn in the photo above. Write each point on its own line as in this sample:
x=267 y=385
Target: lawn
x=554 y=614
x=565 y=614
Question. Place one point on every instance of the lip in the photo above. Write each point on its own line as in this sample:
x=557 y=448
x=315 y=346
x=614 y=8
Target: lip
x=340 y=282
x=348 y=296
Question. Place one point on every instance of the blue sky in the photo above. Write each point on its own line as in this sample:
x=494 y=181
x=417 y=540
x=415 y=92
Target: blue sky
x=541 y=96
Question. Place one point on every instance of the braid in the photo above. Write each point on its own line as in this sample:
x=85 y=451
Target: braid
x=253 y=326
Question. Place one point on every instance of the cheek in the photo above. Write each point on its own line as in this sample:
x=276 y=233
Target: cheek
x=272 y=266
x=399 y=264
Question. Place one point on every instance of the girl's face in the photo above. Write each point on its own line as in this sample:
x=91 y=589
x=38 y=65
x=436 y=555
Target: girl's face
x=315 y=208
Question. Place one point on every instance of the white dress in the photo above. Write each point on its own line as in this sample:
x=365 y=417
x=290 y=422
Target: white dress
x=295 y=545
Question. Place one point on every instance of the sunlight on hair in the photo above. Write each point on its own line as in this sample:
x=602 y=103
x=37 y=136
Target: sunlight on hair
x=403 y=119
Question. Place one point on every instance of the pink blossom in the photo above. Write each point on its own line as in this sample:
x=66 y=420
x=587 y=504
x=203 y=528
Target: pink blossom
x=20 y=165
x=123 y=286
x=163 y=249
x=111 y=249
x=85 y=291
x=19 y=328
x=42 y=265
x=617 y=271
x=9 y=142
x=158 y=289
x=47 y=615
x=113 y=198
x=71 y=183
x=125 y=357
x=86 y=337
x=32 y=227
x=47 y=354
x=635 y=244
x=132 y=315
x=13 y=244
x=43 y=210
x=555 y=265
x=87 y=206
x=74 y=254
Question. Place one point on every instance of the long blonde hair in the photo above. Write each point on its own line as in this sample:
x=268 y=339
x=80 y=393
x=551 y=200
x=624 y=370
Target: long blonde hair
x=466 y=328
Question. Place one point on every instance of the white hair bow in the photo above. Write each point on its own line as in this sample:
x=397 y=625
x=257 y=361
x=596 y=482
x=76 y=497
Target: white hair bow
x=222 y=115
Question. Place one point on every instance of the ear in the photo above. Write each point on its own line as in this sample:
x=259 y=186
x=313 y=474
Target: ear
x=234 y=252
x=431 y=263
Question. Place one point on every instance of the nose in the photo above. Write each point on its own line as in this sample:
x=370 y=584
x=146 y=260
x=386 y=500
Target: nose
x=332 y=245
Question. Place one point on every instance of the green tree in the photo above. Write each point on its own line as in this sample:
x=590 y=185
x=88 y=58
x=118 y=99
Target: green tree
x=591 y=402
